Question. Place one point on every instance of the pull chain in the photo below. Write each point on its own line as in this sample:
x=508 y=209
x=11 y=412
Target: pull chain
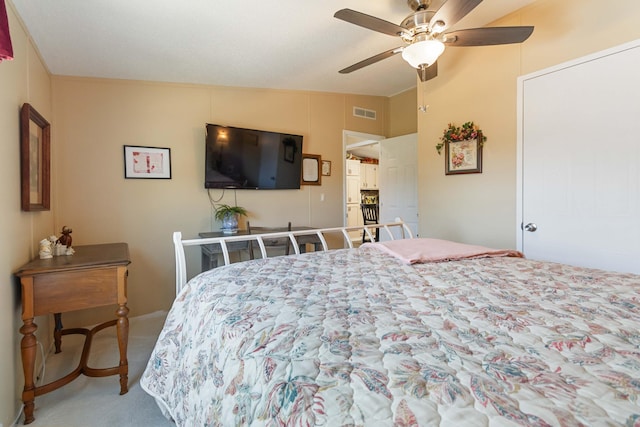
x=421 y=107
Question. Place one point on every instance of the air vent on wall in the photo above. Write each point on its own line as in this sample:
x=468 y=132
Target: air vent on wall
x=364 y=113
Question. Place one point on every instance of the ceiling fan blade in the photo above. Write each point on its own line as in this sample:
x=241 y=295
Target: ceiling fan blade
x=372 y=60
x=487 y=36
x=450 y=13
x=427 y=73
x=369 y=22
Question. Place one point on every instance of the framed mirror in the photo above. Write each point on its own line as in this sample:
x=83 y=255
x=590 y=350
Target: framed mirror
x=35 y=160
x=311 y=169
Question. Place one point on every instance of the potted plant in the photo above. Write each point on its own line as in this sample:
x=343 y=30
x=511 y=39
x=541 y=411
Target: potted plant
x=228 y=215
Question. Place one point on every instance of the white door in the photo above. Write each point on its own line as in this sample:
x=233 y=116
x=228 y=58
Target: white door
x=398 y=181
x=581 y=162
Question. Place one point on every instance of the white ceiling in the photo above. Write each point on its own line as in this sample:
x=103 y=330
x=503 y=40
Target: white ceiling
x=282 y=44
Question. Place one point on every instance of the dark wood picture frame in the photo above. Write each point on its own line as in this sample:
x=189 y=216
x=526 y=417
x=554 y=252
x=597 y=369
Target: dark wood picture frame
x=311 y=169
x=462 y=157
x=35 y=160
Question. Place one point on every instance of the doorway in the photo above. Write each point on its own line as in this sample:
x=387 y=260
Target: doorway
x=392 y=184
x=357 y=188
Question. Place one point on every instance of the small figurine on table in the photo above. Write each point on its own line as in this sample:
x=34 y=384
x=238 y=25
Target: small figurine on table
x=56 y=248
x=45 y=249
x=65 y=240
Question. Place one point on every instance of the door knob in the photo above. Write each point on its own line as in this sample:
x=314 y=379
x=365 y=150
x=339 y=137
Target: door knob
x=530 y=227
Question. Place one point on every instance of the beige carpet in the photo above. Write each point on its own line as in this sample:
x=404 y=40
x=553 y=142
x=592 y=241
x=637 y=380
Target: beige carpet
x=96 y=402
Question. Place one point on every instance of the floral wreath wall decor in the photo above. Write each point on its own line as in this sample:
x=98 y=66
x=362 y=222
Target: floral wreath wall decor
x=463 y=148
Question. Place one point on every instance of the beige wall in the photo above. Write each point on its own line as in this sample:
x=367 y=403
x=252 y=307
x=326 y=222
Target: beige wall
x=479 y=84
x=95 y=118
x=403 y=114
x=24 y=79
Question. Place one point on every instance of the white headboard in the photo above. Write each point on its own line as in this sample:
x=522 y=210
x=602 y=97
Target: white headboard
x=179 y=243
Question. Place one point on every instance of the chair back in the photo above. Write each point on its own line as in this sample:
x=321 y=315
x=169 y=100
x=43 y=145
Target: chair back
x=369 y=213
x=370 y=216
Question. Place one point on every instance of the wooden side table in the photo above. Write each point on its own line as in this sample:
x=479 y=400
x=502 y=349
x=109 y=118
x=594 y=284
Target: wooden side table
x=96 y=275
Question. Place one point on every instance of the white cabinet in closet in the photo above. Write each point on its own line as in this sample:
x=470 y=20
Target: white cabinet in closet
x=353 y=210
x=354 y=216
x=368 y=176
x=353 y=189
x=353 y=167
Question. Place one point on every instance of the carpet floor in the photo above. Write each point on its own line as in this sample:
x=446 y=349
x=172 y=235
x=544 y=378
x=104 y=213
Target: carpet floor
x=96 y=402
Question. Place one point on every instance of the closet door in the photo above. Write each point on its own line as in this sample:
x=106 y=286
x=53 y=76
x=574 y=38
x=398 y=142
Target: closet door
x=580 y=159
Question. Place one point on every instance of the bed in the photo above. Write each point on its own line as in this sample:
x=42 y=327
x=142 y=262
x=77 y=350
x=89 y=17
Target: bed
x=372 y=336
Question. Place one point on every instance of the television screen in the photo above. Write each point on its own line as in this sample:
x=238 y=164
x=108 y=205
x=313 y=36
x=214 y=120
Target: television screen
x=255 y=159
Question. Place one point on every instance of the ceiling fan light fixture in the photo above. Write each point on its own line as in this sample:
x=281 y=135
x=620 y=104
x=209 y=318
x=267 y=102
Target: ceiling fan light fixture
x=424 y=52
x=437 y=27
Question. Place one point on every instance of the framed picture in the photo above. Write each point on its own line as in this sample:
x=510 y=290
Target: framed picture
x=311 y=169
x=463 y=156
x=326 y=168
x=35 y=160
x=147 y=162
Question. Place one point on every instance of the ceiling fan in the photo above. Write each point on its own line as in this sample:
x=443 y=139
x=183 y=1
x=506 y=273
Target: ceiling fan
x=424 y=34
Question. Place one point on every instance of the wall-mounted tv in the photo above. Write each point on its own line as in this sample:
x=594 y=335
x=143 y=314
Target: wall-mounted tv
x=253 y=159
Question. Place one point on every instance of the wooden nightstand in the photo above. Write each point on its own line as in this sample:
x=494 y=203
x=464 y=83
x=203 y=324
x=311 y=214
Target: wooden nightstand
x=96 y=275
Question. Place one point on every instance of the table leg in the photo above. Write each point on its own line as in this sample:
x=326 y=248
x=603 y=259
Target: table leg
x=122 y=328
x=209 y=259
x=28 y=353
x=57 y=332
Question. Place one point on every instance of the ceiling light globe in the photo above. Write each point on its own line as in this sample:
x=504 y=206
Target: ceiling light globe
x=424 y=52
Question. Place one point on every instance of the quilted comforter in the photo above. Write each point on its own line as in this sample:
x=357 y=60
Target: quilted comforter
x=355 y=337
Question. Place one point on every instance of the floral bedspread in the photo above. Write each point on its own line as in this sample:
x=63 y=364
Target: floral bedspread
x=356 y=338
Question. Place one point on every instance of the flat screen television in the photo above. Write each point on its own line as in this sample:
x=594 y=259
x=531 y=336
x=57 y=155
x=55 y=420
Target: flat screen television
x=253 y=159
